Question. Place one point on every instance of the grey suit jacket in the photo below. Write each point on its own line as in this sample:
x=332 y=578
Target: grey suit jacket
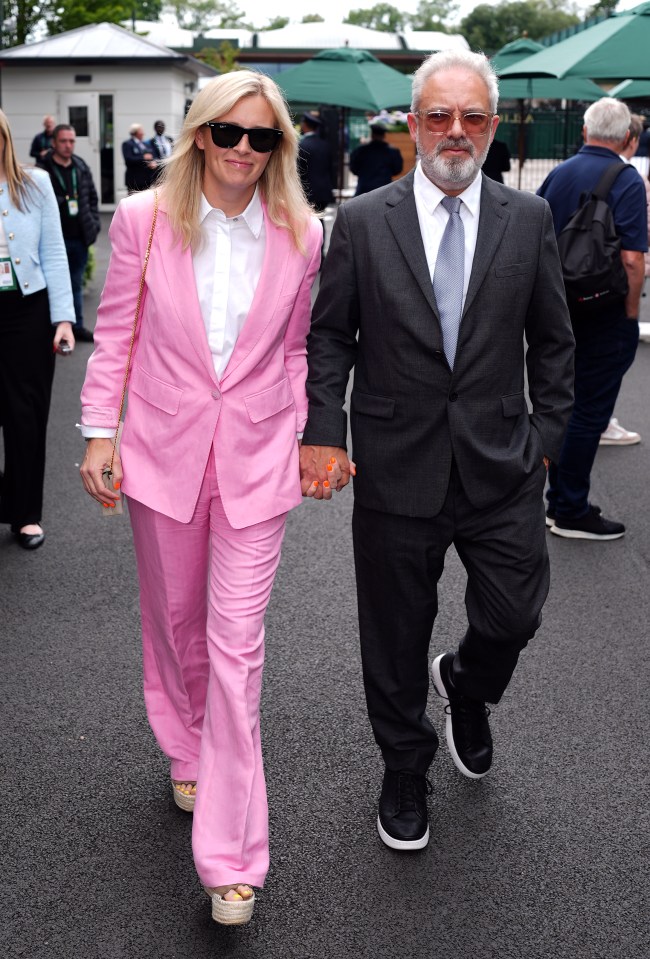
x=410 y=415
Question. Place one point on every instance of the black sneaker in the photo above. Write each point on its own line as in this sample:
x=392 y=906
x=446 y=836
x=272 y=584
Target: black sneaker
x=550 y=513
x=590 y=526
x=468 y=731
x=402 y=822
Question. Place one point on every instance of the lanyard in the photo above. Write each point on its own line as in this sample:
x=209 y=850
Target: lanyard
x=62 y=181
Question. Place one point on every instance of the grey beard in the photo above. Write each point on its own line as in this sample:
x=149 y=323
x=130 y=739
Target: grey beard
x=455 y=171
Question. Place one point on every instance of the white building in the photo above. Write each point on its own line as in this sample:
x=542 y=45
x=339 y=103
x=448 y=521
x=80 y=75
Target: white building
x=99 y=78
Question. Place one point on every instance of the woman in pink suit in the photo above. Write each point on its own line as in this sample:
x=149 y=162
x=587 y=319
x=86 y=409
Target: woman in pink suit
x=209 y=451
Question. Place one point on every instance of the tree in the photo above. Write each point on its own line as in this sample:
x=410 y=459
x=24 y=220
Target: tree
x=383 y=16
x=17 y=20
x=70 y=14
x=313 y=18
x=201 y=15
x=602 y=8
x=277 y=23
x=489 y=28
x=223 y=58
x=433 y=15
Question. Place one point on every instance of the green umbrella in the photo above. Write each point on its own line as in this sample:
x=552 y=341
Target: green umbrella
x=513 y=52
x=346 y=78
x=631 y=90
x=616 y=48
x=549 y=88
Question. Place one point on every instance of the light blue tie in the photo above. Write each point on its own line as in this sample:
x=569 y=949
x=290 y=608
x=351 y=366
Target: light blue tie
x=448 y=277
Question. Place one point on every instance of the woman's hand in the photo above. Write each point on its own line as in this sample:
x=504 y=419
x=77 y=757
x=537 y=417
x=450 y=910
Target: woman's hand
x=63 y=331
x=97 y=458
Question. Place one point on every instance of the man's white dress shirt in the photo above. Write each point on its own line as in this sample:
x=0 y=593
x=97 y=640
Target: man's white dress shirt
x=433 y=217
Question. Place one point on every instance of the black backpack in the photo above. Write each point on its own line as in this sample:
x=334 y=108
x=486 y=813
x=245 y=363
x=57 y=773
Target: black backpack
x=590 y=252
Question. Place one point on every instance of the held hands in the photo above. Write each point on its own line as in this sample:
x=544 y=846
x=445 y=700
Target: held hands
x=324 y=469
x=97 y=458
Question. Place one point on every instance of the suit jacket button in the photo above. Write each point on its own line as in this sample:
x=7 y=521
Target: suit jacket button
x=437 y=352
x=17 y=260
x=453 y=397
x=216 y=395
x=11 y=236
x=26 y=285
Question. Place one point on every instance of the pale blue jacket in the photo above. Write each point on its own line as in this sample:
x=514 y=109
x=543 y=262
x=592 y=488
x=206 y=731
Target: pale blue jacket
x=36 y=245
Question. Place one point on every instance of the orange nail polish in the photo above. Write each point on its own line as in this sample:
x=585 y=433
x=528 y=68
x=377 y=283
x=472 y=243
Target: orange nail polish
x=326 y=484
x=316 y=483
x=116 y=485
x=105 y=505
x=329 y=468
x=332 y=459
x=112 y=505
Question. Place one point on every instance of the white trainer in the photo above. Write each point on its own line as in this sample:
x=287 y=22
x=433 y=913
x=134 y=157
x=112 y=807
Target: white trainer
x=616 y=435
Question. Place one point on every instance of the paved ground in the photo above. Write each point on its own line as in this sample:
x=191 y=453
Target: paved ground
x=541 y=860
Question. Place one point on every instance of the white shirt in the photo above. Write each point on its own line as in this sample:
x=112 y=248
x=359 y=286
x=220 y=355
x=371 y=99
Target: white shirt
x=433 y=218
x=227 y=268
x=164 y=146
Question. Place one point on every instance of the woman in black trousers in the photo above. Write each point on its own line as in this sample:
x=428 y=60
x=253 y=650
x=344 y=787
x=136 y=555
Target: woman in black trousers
x=36 y=316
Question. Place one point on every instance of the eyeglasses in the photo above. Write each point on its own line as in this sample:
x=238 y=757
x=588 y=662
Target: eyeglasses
x=261 y=139
x=440 y=122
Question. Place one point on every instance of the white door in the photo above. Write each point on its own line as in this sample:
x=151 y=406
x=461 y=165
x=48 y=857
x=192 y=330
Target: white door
x=81 y=111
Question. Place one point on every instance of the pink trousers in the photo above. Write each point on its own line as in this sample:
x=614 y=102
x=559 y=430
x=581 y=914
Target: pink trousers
x=204 y=589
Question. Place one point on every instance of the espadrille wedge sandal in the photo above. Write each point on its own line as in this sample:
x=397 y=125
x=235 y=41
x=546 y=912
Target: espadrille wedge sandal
x=184 y=800
x=233 y=912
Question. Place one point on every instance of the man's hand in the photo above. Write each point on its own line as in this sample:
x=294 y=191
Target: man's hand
x=324 y=469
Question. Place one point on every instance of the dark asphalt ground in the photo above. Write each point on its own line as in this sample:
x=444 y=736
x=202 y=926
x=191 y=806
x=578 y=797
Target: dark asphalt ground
x=545 y=858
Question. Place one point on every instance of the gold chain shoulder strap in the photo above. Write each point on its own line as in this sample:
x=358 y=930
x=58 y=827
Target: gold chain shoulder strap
x=135 y=322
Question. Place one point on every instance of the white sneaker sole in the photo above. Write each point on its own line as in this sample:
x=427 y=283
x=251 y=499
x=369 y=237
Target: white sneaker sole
x=403 y=845
x=439 y=687
x=550 y=521
x=581 y=534
x=624 y=441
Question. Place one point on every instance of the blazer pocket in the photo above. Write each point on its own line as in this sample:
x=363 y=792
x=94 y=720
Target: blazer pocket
x=162 y=395
x=371 y=405
x=262 y=405
x=514 y=404
x=513 y=269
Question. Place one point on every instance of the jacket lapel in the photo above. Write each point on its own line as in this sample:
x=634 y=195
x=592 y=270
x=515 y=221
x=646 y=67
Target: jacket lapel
x=491 y=227
x=175 y=268
x=402 y=218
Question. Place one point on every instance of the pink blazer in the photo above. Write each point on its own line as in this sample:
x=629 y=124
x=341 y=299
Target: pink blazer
x=177 y=408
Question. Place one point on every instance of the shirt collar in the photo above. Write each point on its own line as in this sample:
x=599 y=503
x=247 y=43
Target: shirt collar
x=431 y=196
x=253 y=215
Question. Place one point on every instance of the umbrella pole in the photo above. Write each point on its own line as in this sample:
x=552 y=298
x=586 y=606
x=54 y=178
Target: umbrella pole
x=342 y=115
x=521 y=137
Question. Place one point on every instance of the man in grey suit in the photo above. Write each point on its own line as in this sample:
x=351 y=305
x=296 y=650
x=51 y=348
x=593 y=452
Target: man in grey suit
x=430 y=299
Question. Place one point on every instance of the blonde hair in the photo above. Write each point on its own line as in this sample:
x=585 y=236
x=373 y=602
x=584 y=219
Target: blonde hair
x=19 y=181
x=182 y=177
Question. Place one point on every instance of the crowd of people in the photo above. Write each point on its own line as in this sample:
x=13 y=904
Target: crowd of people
x=443 y=290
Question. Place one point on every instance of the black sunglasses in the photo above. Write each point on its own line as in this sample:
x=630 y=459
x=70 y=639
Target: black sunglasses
x=261 y=139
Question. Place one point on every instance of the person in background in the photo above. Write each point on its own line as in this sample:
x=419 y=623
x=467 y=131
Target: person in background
x=160 y=146
x=606 y=343
x=315 y=163
x=375 y=163
x=36 y=315
x=209 y=453
x=497 y=162
x=615 y=434
x=42 y=142
x=77 y=198
x=140 y=164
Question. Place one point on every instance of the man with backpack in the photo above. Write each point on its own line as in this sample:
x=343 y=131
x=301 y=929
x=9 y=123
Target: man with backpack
x=603 y=272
